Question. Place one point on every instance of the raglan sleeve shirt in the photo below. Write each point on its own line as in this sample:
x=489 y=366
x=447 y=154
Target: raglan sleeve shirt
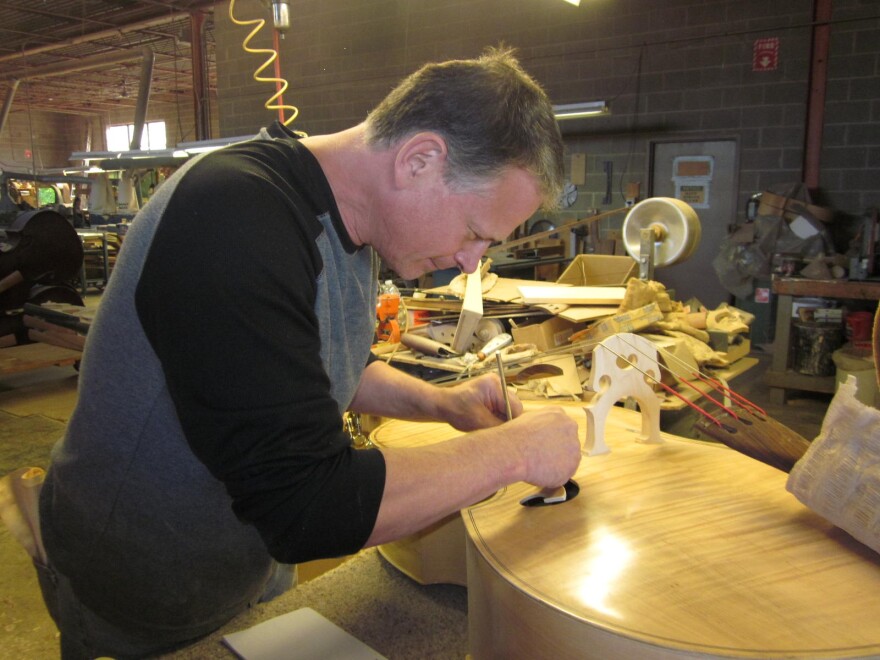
x=226 y=298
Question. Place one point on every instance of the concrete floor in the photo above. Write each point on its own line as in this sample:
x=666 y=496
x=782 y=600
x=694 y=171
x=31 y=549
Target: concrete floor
x=34 y=409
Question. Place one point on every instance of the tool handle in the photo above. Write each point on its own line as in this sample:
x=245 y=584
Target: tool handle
x=503 y=386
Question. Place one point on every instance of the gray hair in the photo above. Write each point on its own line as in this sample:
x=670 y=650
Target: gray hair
x=491 y=113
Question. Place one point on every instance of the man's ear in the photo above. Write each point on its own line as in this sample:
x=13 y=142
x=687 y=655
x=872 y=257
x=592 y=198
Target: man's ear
x=420 y=158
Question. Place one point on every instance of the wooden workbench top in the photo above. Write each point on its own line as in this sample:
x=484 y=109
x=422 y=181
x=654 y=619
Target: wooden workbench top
x=16 y=359
x=853 y=289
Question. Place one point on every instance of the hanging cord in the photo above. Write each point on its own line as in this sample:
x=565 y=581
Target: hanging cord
x=280 y=83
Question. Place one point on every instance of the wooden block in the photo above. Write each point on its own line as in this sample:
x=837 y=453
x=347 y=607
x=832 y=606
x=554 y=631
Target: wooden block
x=573 y=295
x=581 y=314
x=471 y=312
x=632 y=321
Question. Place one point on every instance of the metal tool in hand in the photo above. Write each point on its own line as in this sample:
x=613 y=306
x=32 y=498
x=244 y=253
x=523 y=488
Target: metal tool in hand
x=500 y=364
x=545 y=495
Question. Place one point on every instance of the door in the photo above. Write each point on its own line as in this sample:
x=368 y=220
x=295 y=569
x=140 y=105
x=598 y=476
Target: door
x=702 y=173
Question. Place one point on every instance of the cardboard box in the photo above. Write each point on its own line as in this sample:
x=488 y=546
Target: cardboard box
x=599 y=270
x=552 y=333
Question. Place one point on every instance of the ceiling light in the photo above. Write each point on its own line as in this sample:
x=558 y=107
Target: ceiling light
x=200 y=146
x=580 y=110
x=576 y=3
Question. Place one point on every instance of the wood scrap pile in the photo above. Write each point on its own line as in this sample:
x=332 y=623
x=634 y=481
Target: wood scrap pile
x=58 y=324
x=559 y=323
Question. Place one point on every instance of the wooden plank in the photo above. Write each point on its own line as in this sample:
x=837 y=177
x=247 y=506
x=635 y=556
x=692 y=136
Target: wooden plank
x=792 y=380
x=629 y=321
x=36 y=356
x=573 y=295
x=505 y=289
x=581 y=314
x=853 y=289
x=471 y=312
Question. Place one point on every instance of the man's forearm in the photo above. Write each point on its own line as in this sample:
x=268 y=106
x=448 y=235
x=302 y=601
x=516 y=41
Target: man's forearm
x=384 y=390
x=427 y=484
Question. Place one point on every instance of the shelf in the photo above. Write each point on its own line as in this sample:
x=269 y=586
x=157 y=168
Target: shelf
x=89 y=239
x=780 y=377
x=794 y=380
x=847 y=289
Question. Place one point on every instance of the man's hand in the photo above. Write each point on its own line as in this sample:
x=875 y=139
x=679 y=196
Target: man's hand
x=477 y=403
x=422 y=485
x=546 y=439
x=548 y=442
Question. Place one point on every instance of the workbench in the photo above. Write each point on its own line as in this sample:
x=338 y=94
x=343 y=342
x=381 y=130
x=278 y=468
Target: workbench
x=781 y=377
x=26 y=357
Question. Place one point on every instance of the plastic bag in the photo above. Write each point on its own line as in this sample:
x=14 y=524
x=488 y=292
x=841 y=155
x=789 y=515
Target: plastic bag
x=839 y=475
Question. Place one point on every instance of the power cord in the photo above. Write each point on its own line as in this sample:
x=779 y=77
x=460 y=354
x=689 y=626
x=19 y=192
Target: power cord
x=280 y=83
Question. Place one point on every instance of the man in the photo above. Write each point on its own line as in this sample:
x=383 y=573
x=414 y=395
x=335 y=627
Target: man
x=207 y=448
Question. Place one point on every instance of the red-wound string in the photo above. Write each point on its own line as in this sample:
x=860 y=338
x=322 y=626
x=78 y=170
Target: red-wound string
x=666 y=387
x=693 y=405
x=702 y=393
x=712 y=382
x=733 y=395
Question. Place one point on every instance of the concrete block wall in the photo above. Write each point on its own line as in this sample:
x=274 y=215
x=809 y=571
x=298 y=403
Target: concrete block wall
x=851 y=140
x=39 y=139
x=52 y=137
x=677 y=69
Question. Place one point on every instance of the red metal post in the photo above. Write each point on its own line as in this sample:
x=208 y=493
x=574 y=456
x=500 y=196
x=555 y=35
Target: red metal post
x=816 y=97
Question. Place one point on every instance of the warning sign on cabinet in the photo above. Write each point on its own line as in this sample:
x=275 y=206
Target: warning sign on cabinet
x=695 y=195
x=693 y=178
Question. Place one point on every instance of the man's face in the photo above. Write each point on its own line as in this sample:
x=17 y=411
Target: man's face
x=440 y=228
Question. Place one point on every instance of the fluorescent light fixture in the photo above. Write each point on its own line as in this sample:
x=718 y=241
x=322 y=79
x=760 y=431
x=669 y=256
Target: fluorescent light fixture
x=146 y=158
x=580 y=110
x=87 y=156
x=576 y=3
x=94 y=169
x=201 y=146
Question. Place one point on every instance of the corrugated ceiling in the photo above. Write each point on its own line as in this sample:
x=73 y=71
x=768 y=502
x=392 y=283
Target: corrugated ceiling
x=45 y=44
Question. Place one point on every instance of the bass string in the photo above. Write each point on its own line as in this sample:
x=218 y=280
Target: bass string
x=713 y=383
x=666 y=387
x=588 y=346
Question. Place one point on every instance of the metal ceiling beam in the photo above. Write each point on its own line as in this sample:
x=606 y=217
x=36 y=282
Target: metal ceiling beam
x=199 y=78
x=95 y=62
x=101 y=34
x=140 y=111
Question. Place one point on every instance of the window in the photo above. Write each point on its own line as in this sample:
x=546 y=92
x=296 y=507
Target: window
x=119 y=137
x=46 y=196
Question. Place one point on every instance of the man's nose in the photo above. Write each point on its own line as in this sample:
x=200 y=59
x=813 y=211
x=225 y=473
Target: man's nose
x=468 y=258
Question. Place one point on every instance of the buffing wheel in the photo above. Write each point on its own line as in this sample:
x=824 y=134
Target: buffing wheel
x=675 y=224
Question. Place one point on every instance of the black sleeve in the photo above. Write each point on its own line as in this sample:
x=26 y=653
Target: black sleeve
x=226 y=298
